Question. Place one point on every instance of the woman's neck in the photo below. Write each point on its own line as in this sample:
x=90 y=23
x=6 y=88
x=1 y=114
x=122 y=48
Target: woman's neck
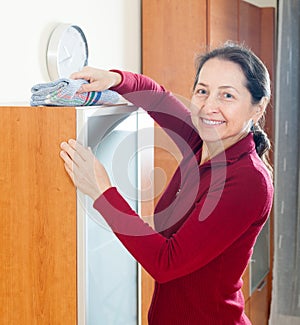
x=212 y=149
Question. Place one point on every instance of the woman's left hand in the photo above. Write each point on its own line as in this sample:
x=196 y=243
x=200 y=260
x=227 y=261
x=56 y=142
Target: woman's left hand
x=86 y=172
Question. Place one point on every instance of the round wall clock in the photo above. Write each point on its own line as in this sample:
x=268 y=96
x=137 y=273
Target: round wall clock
x=67 y=51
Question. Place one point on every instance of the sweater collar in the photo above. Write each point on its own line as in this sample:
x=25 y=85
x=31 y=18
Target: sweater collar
x=234 y=152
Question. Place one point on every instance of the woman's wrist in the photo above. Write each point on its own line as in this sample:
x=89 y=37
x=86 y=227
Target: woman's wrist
x=117 y=78
x=97 y=193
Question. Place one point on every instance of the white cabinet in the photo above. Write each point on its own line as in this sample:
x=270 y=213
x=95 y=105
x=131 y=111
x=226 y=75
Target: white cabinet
x=108 y=274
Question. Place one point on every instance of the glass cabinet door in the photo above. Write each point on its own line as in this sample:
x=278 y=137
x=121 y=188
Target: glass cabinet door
x=111 y=272
x=260 y=260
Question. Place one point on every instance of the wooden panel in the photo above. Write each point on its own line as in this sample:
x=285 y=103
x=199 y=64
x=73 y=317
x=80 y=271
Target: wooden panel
x=37 y=218
x=147 y=292
x=174 y=32
x=249 y=26
x=267 y=46
x=222 y=23
x=267 y=54
x=247 y=308
x=259 y=306
x=246 y=284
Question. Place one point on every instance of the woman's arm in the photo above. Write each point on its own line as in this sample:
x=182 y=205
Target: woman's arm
x=226 y=211
x=162 y=105
x=201 y=238
x=144 y=92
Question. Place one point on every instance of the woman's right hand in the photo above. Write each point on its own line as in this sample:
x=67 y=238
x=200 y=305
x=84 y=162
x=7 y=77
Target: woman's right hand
x=98 y=79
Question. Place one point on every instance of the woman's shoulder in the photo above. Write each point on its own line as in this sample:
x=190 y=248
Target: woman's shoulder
x=253 y=174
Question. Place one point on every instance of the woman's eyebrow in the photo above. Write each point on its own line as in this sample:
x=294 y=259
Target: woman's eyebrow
x=231 y=87
x=221 y=87
x=202 y=84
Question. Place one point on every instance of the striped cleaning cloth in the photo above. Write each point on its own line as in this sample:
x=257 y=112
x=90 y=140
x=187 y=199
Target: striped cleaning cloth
x=63 y=92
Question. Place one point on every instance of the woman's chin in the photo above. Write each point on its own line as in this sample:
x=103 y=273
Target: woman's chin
x=211 y=136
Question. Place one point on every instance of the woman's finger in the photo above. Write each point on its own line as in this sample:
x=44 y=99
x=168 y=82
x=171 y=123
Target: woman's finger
x=72 y=152
x=79 y=148
x=70 y=173
x=68 y=149
x=67 y=159
x=74 y=174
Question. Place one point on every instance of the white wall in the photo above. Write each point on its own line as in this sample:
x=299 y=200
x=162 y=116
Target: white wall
x=263 y=3
x=112 y=29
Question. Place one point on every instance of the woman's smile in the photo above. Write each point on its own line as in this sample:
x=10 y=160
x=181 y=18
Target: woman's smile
x=210 y=122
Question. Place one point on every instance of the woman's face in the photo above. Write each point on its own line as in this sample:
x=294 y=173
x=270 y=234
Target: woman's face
x=221 y=104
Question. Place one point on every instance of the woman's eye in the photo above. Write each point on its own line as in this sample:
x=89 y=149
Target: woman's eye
x=201 y=91
x=227 y=96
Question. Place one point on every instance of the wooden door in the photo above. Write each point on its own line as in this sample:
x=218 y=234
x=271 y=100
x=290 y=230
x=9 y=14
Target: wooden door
x=174 y=33
x=37 y=218
x=222 y=21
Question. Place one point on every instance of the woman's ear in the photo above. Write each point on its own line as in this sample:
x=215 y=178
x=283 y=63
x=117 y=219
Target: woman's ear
x=264 y=102
x=260 y=109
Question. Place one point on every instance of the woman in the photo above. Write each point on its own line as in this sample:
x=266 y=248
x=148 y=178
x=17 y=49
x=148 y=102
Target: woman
x=208 y=219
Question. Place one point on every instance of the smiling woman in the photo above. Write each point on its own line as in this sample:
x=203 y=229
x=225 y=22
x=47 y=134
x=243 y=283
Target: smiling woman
x=206 y=223
x=227 y=106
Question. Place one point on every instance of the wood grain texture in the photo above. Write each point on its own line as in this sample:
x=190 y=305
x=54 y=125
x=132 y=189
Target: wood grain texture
x=250 y=26
x=268 y=50
x=259 y=305
x=267 y=54
x=247 y=308
x=246 y=284
x=37 y=218
x=222 y=21
x=174 y=32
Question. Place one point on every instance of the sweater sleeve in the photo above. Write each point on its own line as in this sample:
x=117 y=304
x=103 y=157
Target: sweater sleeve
x=132 y=82
x=168 y=111
x=205 y=234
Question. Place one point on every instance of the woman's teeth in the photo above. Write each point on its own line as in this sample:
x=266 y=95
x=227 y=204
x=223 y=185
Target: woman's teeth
x=210 y=122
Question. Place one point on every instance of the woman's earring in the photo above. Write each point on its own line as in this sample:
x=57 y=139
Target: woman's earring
x=251 y=125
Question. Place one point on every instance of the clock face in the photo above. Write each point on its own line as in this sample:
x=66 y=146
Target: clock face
x=67 y=51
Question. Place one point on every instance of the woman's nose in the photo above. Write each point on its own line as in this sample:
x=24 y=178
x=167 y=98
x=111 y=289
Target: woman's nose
x=211 y=104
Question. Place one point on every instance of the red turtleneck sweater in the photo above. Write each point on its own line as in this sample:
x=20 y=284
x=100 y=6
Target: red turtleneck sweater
x=206 y=222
